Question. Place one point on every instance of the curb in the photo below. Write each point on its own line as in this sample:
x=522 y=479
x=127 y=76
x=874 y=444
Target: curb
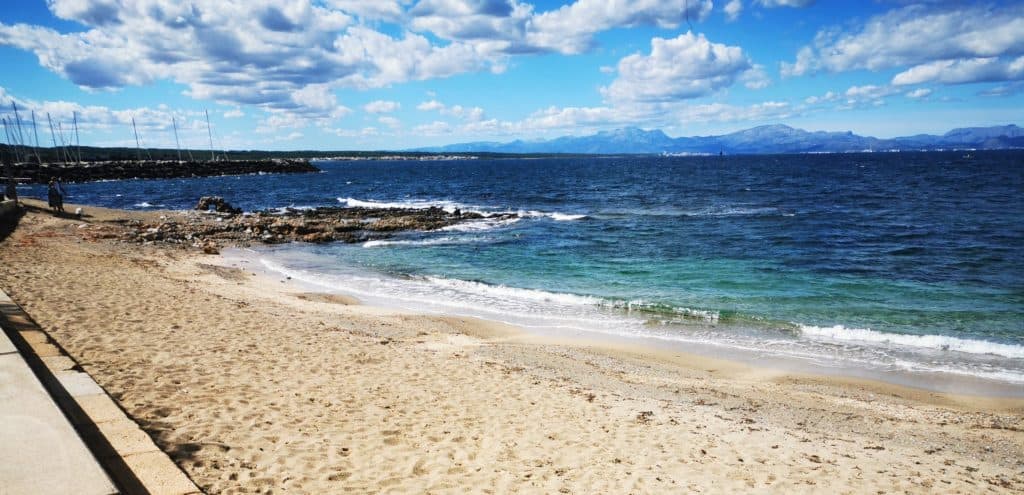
x=125 y=451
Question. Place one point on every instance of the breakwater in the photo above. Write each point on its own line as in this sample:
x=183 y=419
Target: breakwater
x=154 y=169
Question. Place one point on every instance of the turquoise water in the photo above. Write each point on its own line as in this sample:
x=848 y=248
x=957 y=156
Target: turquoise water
x=897 y=262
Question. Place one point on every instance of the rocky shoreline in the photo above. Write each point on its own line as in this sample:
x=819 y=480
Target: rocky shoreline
x=216 y=223
x=154 y=169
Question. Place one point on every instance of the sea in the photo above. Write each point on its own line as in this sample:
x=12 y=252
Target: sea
x=904 y=267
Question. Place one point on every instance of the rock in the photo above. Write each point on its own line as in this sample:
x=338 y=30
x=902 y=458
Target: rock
x=317 y=237
x=210 y=248
x=218 y=204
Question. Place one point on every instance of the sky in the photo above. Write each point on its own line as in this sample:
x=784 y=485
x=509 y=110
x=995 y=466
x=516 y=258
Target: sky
x=400 y=74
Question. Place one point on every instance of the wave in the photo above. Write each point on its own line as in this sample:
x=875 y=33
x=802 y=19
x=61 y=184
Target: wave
x=411 y=204
x=671 y=314
x=505 y=291
x=708 y=212
x=934 y=342
x=146 y=204
x=480 y=225
x=438 y=241
x=451 y=206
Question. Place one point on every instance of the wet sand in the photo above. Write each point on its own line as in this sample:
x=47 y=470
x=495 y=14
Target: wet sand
x=255 y=385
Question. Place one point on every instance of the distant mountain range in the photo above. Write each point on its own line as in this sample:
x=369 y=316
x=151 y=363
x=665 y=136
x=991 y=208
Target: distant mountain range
x=763 y=139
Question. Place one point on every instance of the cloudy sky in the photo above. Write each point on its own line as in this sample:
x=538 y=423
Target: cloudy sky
x=394 y=74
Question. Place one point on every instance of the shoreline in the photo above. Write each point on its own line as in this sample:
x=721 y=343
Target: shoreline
x=641 y=348
x=946 y=382
x=248 y=382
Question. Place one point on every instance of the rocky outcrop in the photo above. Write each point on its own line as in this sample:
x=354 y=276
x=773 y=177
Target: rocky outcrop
x=155 y=169
x=218 y=204
x=207 y=230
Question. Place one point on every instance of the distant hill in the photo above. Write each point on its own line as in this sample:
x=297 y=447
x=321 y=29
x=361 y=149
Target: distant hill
x=776 y=138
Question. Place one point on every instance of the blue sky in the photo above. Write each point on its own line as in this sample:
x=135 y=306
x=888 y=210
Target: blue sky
x=395 y=74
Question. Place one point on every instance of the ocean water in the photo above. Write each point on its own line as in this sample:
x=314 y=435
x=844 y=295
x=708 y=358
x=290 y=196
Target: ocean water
x=900 y=266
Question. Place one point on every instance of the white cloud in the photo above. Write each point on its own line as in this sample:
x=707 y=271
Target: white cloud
x=783 y=3
x=570 y=29
x=827 y=97
x=963 y=71
x=471 y=114
x=101 y=124
x=315 y=96
x=263 y=53
x=234 y=113
x=918 y=93
x=391 y=122
x=381 y=106
x=435 y=128
x=687 y=66
x=917 y=36
x=385 y=10
x=431 y=105
x=733 y=9
x=756 y=78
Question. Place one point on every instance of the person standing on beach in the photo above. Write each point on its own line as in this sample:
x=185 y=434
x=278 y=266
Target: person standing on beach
x=55 y=195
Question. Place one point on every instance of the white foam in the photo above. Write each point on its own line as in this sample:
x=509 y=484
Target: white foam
x=480 y=225
x=936 y=342
x=451 y=206
x=146 y=204
x=557 y=216
x=413 y=204
x=502 y=291
x=437 y=241
x=564 y=217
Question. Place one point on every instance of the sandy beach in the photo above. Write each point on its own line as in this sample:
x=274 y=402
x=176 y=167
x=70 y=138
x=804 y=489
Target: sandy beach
x=256 y=385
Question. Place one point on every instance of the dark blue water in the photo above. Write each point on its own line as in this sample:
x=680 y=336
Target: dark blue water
x=907 y=260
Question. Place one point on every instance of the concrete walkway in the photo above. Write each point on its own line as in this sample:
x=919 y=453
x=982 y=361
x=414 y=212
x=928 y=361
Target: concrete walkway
x=40 y=452
x=48 y=406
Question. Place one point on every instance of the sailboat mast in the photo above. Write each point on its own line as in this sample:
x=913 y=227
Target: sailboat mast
x=78 y=144
x=63 y=143
x=210 y=132
x=138 y=148
x=177 y=145
x=10 y=140
x=21 y=137
x=35 y=131
x=53 y=135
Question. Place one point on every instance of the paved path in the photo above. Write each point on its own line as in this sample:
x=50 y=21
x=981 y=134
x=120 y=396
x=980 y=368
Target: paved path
x=40 y=451
x=43 y=424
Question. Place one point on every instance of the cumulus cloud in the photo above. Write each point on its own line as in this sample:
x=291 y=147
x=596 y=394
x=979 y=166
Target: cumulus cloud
x=376 y=10
x=294 y=55
x=431 y=105
x=435 y=128
x=103 y=125
x=918 y=93
x=471 y=114
x=570 y=29
x=919 y=36
x=783 y=3
x=391 y=122
x=684 y=67
x=963 y=71
x=282 y=56
x=733 y=9
x=381 y=106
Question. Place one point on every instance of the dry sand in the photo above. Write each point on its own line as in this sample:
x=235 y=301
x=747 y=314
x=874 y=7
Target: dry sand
x=254 y=385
